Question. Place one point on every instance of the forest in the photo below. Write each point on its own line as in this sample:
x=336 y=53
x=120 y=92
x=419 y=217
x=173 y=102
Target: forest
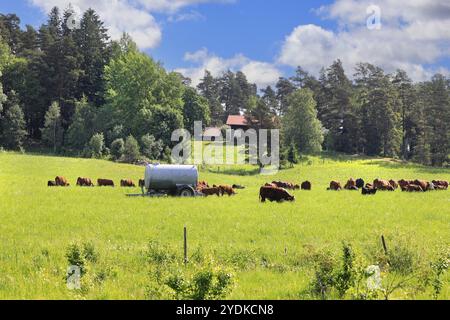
x=76 y=92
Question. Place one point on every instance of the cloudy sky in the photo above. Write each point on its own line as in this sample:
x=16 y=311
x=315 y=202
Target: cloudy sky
x=268 y=39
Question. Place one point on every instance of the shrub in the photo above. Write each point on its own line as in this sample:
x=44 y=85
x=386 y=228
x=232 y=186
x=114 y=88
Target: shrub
x=151 y=148
x=131 y=153
x=76 y=258
x=89 y=252
x=117 y=148
x=96 y=145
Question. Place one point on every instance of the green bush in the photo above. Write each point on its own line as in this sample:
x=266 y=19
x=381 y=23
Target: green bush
x=131 y=153
x=117 y=149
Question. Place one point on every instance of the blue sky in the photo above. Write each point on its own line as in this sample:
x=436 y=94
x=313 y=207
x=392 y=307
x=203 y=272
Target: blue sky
x=267 y=39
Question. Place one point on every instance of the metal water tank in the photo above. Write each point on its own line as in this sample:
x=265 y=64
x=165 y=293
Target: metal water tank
x=160 y=177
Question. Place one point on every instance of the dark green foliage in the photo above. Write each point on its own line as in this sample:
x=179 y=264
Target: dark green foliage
x=300 y=124
x=13 y=124
x=209 y=87
x=110 y=87
x=151 y=148
x=96 y=146
x=117 y=148
x=195 y=109
x=52 y=132
x=131 y=152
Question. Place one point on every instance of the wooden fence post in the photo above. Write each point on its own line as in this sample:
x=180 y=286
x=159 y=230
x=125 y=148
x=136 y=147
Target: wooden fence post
x=185 y=246
x=383 y=241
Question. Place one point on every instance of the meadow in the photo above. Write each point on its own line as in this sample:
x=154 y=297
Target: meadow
x=270 y=248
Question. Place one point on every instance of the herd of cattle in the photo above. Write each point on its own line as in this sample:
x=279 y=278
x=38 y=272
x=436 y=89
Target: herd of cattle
x=278 y=190
x=87 y=182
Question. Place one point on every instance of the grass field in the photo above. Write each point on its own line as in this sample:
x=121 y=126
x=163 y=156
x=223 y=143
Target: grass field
x=269 y=247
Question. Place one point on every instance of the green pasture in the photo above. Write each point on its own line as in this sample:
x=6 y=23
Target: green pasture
x=268 y=246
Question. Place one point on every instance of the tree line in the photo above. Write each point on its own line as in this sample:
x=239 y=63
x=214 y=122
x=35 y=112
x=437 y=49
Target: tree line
x=76 y=92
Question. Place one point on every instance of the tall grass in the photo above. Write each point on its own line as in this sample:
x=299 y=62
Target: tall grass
x=267 y=245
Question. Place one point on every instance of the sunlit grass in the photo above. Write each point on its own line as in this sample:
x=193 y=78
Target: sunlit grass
x=38 y=223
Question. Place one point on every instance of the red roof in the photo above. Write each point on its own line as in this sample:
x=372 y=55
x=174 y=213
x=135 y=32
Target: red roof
x=237 y=121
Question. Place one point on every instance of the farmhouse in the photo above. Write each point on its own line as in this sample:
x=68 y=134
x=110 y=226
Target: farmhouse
x=238 y=122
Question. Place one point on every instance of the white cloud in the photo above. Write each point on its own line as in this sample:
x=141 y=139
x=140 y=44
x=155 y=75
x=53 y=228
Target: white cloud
x=414 y=34
x=132 y=16
x=261 y=73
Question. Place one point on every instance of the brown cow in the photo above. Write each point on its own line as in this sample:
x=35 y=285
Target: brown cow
x=284 y=185
x=271 y=185
x=51 y=184
x=421 y=183
x=211 y=191
x=227 y=189
x=307 y=186
x=393 y=184
x=105 y=183
x=127 y=183
x=440 y=185
x=414 y=188
x=351 y=185
x=62 y=182
x=335 y=186
x=84 y=182
x=382 y=185
x=275 y=194
x=404 y=184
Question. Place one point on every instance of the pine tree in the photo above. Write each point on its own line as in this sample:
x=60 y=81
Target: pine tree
x=408 y=100
x=380 y=112
x=210 y=89
x=284 y=89
x=52 y=130
x=13 y=124
x=437 y=116
x=93 y=39
x=336 y=111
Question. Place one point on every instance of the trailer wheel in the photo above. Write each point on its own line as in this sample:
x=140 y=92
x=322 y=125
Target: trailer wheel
x=186 y=192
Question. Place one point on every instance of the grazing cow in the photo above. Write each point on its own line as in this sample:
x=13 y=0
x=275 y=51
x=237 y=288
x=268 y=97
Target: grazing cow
x=382 y=185
x=51 y=184
x=360 y=183
x=335 y=186
x=127 y=183
x=238 y=187
x=211 y=191
x=414 y=188
x=284 y=185
x=227 y=190
x=141 y=183
x=275 y=194
x=368 y=191
x=105 y=183
x=404 y=184
x=306 y=186
x=271 y=185
x=84 y=182
x=393 y=184
x=422 y=184
x=440 y=185
x=351 y=185
x=62 y=182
